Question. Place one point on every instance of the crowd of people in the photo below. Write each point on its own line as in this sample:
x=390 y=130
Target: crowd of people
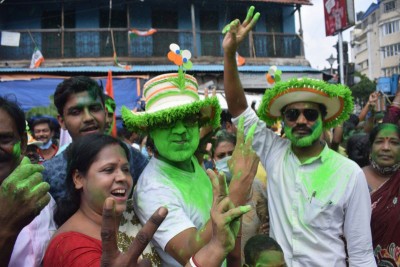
x=179 y=186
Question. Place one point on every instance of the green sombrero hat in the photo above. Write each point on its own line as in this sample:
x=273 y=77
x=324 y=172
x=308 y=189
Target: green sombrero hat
x=335 y=97
x=171 y=97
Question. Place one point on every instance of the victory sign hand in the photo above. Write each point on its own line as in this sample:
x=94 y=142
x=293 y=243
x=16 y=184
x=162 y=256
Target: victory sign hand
x=235 y=32
x=111 y=255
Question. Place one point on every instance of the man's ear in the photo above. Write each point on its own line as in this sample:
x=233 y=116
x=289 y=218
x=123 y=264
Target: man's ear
x=61 y=121
x=78 y=179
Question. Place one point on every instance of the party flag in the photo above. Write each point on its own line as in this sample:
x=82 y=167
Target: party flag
x=110 y=92
x=136 y=32
x=37 y=59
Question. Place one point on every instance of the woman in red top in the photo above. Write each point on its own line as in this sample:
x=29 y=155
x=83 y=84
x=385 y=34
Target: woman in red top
x=98 y=167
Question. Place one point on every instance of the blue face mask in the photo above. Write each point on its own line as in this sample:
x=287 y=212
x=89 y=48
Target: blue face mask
x=144 y=152
x=222 y=166
x=47 y=145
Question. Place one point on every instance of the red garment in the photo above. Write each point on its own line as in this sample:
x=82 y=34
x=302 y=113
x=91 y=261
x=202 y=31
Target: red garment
x=41 y=158
x=385 y=222
x=73 y=249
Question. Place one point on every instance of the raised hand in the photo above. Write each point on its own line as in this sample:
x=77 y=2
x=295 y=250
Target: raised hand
x=224 y=216
x=111 y=256
x=235 y=32
x=373 y=99
x=23 y=194
x=243 y=165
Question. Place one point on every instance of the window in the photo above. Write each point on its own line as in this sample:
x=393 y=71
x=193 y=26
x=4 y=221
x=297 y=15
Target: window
x=389 y=6
x=391 y=50
x=210 y=41
x=390 y=27
x=168 y=20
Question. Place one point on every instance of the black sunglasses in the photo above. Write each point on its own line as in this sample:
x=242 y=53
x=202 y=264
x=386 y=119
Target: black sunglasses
x=188 y=121
x=309 y=114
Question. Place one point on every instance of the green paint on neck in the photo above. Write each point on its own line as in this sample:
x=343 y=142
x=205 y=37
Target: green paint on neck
x=194 y=187
x=307 y=140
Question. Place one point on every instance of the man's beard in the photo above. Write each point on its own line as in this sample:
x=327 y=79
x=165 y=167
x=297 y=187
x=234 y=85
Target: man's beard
x=305 y=141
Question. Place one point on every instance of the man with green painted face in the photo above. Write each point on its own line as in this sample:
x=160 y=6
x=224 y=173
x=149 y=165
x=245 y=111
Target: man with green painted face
x=26 y=217
x=317 y=198
x=81 y=110
x=174 y=114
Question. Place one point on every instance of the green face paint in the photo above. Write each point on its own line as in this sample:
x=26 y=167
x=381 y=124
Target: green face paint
x=385 y=150
x=17 y=150
x=316 y=131
x=176 y=144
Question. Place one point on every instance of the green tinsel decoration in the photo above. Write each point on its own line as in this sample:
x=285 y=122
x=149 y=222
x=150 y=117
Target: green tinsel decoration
x=332 y=90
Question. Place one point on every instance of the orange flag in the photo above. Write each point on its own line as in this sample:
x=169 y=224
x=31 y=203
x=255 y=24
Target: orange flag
x=110 y=92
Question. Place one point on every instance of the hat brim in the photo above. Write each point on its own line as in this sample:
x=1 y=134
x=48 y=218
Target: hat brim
x=208 y=109
x=336 y=98
x=35 y=143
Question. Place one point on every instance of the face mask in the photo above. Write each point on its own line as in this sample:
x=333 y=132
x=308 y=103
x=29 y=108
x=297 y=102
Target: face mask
x=385 y=170
x=222 y=165
x=47 y=145
x=144 y=152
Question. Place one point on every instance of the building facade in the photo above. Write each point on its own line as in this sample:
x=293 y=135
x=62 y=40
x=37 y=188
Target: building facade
x=375 y=40
x=87 y=36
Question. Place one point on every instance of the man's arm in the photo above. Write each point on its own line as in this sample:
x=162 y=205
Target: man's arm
x=235 y=34
x=219 y=233
x=357 y=230
x=22 y=191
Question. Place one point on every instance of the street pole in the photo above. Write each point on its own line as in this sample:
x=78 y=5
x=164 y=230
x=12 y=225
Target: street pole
x=341 y=69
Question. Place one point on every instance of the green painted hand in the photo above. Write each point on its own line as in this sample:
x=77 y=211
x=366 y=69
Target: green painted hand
x=23 y=191
x=224 y=216
x=236 y=32
x=243 y=165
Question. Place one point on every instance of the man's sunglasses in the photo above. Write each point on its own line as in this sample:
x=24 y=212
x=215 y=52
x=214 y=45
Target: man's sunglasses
x=309 y=114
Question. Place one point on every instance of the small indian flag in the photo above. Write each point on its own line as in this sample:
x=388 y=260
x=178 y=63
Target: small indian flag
x=136 y=32
x=126 y=67
x=37 y=59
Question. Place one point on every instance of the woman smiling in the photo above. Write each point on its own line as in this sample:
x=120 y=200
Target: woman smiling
x=98 y=168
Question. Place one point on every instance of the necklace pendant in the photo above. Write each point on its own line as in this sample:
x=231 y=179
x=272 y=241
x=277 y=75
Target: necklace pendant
x=395 y=200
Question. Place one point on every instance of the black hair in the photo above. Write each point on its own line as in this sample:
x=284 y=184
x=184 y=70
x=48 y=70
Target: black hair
x=322 y=110
x=80 y=156
x=41 y=121
x=76 y=85
x=375 y=131
x=15 y=112
x=222 y=136
x=357 y=148
x=256 y=245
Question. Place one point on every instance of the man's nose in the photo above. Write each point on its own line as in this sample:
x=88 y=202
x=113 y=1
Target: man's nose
x=301 y=119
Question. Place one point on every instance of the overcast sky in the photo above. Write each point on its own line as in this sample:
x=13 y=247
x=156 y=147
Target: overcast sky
x=317 y=46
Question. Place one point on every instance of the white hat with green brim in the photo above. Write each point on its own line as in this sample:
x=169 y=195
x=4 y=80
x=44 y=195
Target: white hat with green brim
x=171 y=97
x=335 y=97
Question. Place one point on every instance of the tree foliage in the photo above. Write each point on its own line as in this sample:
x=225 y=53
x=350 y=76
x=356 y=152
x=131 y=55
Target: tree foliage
x=39 y=111
x=364 y=88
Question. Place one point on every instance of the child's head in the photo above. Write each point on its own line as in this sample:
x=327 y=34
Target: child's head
x=263 y=251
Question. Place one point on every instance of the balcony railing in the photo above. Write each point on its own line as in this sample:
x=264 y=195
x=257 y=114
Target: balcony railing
x=95 y=43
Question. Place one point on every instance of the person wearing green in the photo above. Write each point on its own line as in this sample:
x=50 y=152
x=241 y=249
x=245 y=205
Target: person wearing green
x=317 y=198
x=174 y=179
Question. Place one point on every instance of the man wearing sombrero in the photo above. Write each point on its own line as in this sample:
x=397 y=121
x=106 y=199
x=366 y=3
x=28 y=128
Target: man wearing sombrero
x=174 y=114
x=318 y=199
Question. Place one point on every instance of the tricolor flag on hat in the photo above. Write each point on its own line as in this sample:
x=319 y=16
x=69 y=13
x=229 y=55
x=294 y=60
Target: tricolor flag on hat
x=37 y=59
x=136 y=32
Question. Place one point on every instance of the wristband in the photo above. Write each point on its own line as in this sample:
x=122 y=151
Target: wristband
x=193 y=262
